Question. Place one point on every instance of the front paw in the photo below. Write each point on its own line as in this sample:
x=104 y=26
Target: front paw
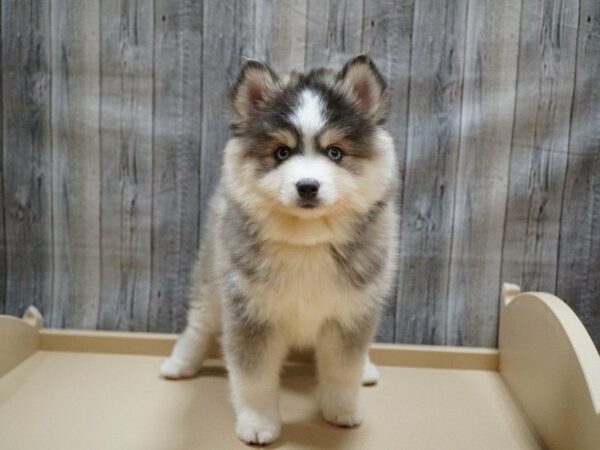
x=255 y=428
x=343 y=418
x=341 y=407
x=175 y=369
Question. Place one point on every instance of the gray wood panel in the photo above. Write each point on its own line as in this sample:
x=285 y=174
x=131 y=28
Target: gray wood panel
x=578 y=280
x=126 y=57
x=223 y=53
x=481 y=181
x=176 y=158
x=3 y=274
x=437 y=60
x=75 y=163
x=334 y=32
x=280 y=33
x=113 y=127
x=540 y=142
x=387 y=37
x=26 y=155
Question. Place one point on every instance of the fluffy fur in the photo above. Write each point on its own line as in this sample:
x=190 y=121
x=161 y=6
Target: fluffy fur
x=278 y=270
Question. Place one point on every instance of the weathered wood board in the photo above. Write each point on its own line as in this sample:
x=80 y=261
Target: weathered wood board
x=3 y=277
x=578 y=279
x=434 y=100
x=540 y=143
x=491 y=49
x=126 y=163
x=26 y=266
x=75 y=149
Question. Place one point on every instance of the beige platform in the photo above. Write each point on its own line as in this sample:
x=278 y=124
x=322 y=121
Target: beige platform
x=95 y=390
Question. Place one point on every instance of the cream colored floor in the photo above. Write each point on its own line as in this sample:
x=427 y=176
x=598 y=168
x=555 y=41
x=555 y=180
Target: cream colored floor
x=59 y=400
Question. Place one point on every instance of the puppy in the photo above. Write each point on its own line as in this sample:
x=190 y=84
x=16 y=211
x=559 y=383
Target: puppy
x=301 y=241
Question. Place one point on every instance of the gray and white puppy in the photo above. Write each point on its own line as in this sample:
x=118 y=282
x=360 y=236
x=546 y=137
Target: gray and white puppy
x=301 y=241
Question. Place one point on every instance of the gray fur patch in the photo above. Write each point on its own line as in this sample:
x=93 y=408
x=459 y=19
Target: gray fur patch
x=243 y=243
x=246 y=339
x=362 y=259
x=357 y=337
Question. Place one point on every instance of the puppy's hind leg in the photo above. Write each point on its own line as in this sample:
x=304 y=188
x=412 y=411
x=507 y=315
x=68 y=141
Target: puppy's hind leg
x=190 y=350
x=370 y=373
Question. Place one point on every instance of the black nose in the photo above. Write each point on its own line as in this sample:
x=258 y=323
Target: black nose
x=307 y=188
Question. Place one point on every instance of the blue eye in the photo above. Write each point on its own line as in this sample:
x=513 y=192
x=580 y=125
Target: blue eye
x=282 y=153
x=334 y=153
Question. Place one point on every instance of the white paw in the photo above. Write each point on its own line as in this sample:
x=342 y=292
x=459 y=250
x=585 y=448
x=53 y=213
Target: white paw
x=370 y=374
x=175 y=369
x=341 y=406
x=343 y=418
x=253 y=428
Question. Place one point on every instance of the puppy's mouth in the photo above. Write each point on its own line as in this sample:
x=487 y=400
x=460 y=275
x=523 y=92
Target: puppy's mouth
x=308 y=204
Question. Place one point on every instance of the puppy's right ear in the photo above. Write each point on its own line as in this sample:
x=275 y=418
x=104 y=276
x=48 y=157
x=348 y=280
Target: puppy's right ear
x=255 y=84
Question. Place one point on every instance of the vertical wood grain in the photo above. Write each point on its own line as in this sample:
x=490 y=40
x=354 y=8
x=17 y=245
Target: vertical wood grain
x=75 y=163
x=578 y=280
x=280 y=35
x=176 y=158
x=26 y=155
x=430 y=171
x=334 y=32
x=126 y=163
x=387 y=37
x=482 y=178
x=3 y=274
x=548 y=45
x=224 y=53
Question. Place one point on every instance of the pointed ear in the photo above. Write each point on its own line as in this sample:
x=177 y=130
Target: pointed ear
x=363 y=83
x=255 y=84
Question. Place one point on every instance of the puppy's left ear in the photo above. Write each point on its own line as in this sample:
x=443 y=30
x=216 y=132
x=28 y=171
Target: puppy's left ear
x=255 y=84
x=364 y=85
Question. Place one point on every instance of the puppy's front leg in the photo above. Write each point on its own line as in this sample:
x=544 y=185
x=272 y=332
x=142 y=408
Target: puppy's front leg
x=341 y=357
x=254 y=356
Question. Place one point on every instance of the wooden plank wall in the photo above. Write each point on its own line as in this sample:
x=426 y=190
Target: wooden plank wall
x=578 y=277
x=112 y=132
x=26 y=157
x=125 y=128
x=488 y=98
x=2 y=225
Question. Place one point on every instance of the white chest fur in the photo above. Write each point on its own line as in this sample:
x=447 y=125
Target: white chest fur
x=302 y=288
